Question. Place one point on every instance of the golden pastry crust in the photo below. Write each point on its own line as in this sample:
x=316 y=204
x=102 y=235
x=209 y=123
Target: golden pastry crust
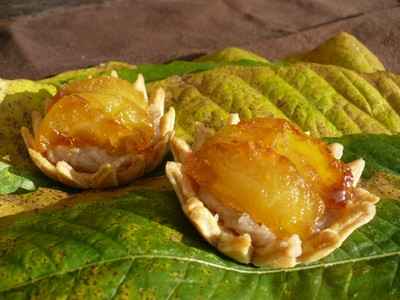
x=127 y=168
x=276 y=252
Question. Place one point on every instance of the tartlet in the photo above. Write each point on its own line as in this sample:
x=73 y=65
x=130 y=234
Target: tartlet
x=100 y=132
x=231 y=223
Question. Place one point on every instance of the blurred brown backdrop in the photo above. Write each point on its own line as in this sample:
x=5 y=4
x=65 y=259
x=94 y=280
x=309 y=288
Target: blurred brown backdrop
x=40 y=38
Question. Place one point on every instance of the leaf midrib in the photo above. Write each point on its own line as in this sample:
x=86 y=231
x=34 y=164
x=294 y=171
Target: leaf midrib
x=209 y=264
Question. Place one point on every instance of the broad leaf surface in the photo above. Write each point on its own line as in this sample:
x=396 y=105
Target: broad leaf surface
x=342 y=50
x=137 y=244
x=104 y=245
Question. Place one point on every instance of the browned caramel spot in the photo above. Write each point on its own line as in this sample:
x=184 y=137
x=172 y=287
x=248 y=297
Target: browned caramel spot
x=275 y=173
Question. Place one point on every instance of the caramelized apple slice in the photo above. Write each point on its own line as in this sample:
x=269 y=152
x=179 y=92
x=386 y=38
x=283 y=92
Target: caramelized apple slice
x=263 y=192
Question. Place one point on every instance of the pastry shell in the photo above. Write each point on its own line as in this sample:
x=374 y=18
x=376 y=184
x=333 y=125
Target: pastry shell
x=279 y=252
x=108 y=174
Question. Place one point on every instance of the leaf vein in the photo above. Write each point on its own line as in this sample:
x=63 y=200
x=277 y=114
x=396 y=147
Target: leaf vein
x=123 y=280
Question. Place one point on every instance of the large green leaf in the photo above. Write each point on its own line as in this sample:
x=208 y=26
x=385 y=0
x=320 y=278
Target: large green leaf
x=325 y=100
x=105 y=244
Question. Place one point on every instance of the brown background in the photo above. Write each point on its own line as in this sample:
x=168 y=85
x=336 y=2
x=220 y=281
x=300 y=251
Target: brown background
x=40 y=38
